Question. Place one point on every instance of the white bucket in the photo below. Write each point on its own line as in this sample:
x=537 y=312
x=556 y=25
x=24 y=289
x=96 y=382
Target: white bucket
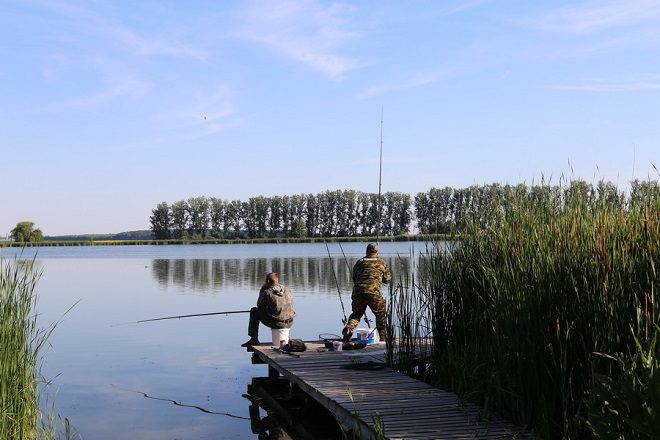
x=280 y=336
x=367 y=335
x=337 y=345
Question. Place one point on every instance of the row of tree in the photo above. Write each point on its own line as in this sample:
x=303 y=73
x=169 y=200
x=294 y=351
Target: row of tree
x=353 y=213
x=327 y=214
x=441 y=210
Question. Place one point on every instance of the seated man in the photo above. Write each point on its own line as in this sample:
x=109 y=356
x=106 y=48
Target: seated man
x=274 y=308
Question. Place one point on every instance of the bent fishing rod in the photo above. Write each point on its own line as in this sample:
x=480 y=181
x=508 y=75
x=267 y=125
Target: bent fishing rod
x=332 y=265
x=229 y=312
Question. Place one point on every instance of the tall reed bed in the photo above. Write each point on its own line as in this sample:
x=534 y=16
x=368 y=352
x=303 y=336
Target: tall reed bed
x=410 y=320
x=549 y=317
x=21 y=342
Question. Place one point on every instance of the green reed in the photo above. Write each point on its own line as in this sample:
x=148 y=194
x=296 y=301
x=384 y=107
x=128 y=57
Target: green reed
x=21 y=342
x=410 y=324
x=522 y=309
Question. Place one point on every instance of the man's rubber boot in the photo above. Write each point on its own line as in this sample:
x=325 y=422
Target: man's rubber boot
x=347 y=334
x=250 y=343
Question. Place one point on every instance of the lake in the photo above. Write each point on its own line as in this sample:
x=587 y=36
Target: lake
x=101 y=364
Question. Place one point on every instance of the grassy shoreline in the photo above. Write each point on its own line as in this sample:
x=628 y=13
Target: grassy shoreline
x=274 y=240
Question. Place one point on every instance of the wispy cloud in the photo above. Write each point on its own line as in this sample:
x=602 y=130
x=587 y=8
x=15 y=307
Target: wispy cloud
x=110 y=56
x=463 y=5
x=116 y=81
x=122 y=37
x=595 y=16
x=387 y=160
x=97 y=26
x=645 y=83
x=206 y=114
x=411 y=82
x=307 y=31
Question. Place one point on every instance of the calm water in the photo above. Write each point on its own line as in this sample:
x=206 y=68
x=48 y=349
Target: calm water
x=101 y=371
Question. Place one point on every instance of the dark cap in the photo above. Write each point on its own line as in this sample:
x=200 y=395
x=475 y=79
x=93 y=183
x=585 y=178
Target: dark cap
x=372 y=249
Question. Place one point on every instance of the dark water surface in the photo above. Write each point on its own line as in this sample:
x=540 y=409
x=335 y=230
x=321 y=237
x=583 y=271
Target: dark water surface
x=101 y=371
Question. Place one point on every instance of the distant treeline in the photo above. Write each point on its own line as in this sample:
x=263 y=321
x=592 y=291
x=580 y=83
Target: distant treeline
x=353 y=213
x=129 y=235
x=188 y=240
x=327 y=214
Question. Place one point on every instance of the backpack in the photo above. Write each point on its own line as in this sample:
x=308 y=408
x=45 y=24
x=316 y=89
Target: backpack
x=294 y=346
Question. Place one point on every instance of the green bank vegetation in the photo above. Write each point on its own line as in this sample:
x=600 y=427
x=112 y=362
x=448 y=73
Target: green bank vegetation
x=24 y=232
x=419 y=237
x=547 y=315
x=21 y=345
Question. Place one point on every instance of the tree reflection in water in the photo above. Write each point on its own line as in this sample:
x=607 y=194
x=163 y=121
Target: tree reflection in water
x=305 y=274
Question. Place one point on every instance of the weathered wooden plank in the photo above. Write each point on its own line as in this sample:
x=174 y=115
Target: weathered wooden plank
x=413 y=414
x=357 y=388
x=462 y=433
x=409 y=409
x=401 y=404
x=366 y=382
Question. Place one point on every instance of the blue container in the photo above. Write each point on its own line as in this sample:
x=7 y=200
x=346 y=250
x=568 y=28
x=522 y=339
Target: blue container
x=367 y=335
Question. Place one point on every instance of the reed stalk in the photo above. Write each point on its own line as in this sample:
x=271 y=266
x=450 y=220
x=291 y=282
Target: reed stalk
x=522 y=309
x=21 y=343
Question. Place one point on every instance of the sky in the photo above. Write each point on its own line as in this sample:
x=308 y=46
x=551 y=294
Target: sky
x=108 y=108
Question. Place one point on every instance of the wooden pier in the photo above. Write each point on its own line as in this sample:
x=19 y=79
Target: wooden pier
x=407 y=408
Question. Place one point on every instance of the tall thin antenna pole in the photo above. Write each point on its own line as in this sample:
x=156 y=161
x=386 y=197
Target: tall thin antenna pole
x=380 y=177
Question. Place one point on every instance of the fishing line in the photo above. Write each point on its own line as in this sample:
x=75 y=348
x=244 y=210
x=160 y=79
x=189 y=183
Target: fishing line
x=332 y=265
x=204 y=410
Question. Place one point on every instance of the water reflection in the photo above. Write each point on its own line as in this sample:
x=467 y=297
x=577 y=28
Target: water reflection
x=290 y=413
x=308 y=274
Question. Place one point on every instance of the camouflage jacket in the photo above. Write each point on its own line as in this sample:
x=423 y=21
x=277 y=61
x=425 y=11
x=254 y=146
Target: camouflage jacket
x=277 y=302
x=369 y=274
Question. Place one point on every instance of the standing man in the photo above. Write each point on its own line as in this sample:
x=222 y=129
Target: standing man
x=368 y=275
x=274 y=308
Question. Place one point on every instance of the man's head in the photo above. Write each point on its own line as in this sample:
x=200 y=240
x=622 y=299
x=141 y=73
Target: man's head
x=372 y=250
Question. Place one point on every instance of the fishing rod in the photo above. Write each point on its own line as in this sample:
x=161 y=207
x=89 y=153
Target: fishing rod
x=380 y=181
x=348 y=266
x=190 y=316
x=332 y=265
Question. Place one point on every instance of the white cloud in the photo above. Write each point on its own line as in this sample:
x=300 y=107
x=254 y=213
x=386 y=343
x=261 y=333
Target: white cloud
x=129 y=41
x=417 y=80
x=463 y=5
x=207 y=113
x=643 y=83
x=594 y=16
x=305 y=31
x=116 y=81
x=147 y=46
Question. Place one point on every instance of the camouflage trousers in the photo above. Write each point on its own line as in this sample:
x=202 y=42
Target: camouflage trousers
x=259 y=316
x=376 y=302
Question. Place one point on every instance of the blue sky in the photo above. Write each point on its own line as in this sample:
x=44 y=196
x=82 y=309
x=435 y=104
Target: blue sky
x=110 y=107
